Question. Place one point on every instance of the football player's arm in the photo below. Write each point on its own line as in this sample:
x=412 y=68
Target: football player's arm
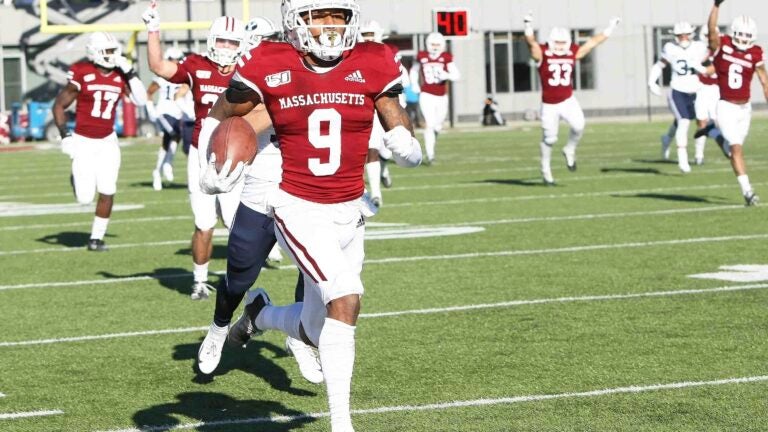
x=453 y=73
x=259 y=119
x=415 y=69
x=762 y=75
x=64 y=99
x=530 y=38
x=714 y=33
x=597 y=39
x=654 y=74
x=399 y=136
x=151 y=112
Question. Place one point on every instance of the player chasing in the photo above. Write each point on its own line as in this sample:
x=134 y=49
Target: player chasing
x=685 y=56
x=556 y=60
x=430 y=74
x=168 y=115
x=97 y=85
x=736 y=59
x=207 y=76
x=324 y=122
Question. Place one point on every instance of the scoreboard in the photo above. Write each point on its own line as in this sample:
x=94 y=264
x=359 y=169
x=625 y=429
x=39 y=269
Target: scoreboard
x=451 y=22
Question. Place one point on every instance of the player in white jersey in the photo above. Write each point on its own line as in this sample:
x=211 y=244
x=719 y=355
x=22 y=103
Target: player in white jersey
x=685 y=56
x=167 y=114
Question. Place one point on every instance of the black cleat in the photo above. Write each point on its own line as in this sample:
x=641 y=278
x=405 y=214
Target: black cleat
x=704 y=131
x=386 y=181
x=242 y=331
x=751 y=199
x=97 y=245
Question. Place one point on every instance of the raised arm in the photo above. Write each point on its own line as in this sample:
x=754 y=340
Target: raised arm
x=530 y=39
x=714 y=33
x=159 y=66
x=597 y=39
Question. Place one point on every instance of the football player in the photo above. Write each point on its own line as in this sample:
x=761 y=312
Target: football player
x=556 y=61
x=736 y=60
x=320 y=90
x=433 y=69
x=685 y=56
x=167 y=114
x=97 y=85
x=207 y=76
x=706 y=108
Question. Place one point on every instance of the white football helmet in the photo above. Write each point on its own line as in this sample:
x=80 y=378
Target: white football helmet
x=743 y=32
x=435 y=44
x=258 y=29
x=174 y=53
x=330 y=44
x=559 y=40
x=683 y=32
x=371 y=31
x=230 y=29
x=103 y=50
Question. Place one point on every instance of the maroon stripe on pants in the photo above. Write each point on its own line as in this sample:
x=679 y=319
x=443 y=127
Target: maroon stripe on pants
x=312 y=262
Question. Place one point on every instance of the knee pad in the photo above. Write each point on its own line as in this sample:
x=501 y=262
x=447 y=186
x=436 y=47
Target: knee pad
x=549 y=139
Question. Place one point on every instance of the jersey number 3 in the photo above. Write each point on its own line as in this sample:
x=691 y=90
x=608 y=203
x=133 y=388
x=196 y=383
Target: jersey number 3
x=561 y=74
x=330 y=140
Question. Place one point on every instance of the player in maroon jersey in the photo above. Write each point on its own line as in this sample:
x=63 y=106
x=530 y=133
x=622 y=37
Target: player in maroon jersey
x=430 y=73
x=556 y=62
x=320 y=90
x=97 y=85
x=208 y=76
x=736 y=59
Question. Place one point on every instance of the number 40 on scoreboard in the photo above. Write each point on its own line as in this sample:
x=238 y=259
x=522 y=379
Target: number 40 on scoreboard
x=451 y=22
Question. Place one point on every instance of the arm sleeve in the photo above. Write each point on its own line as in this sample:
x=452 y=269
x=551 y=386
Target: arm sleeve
x=655 y=73
x=138 y=91
x=415 y=70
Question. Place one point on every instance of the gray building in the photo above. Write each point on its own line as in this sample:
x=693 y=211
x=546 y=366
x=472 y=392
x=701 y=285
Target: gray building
x=493 y=58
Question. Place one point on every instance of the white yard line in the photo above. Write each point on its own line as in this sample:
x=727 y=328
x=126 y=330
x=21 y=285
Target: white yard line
x=522 y=252
x=18 y=415
x=461 y=404
x=507 y=304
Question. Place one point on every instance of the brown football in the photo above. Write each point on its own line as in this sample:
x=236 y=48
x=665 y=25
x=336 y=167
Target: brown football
x=234 y=139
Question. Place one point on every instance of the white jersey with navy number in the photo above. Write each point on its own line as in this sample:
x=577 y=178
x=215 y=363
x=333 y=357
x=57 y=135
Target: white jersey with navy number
x=682 y=61
x=166 y=103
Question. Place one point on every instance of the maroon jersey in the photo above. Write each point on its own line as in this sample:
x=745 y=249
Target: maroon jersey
x=735 y=69
x=206 y=83
x=430 y=74
x=97 y=100
x=556 y=74
x=323 y=120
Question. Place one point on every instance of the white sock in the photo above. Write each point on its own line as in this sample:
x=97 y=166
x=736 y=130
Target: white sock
x=429 y=142
x=701 y=142
x=682 y=156
x=283 y=318
x=337 y=357
x=220 y=333
x=200 y=272
x=546 y=157
x=744 y=183
x=681 y=136
x=99 y=227
x=160 y=158
x=373 y=170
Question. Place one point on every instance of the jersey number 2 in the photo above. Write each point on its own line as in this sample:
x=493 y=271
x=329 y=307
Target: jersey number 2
x=561 y=74
x=330 y=140
x=110 y=99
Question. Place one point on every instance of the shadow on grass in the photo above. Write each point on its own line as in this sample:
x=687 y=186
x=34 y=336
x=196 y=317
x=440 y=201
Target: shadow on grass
x=217 y=411
x=174 y=278
x=676 y=197
x=68 y=239
x=529 y=182
x=655 y=161
x=166 y=185
x=252 y=359
x=219 y=252
x=653 y=171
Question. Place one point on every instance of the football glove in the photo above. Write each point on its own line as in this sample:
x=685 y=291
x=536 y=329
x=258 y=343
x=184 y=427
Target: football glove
x=212 y=182
x=528 y=24
x=612 y=23
x=405 y=149
x=124 y=65
x=68 y=145
x=151 y=17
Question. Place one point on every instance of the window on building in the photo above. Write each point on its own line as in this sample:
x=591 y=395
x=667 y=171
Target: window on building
x=507 y=63
x=12 y=81
x=584 y=78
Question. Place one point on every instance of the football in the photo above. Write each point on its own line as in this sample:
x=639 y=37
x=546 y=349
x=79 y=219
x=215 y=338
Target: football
x=234 y=139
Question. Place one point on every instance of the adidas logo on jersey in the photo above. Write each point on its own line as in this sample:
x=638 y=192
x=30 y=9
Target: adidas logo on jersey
x=355 y=76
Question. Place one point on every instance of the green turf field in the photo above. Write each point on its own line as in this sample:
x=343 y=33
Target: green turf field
x=547 y=308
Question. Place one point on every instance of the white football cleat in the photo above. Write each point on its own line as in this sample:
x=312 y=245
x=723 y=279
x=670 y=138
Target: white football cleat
x=570 y=159
x=157 y=181
x=685 y=168
x=209 y=354
x=306 y=357
x=168 y=171
x=548 y=179
x=201 y=291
